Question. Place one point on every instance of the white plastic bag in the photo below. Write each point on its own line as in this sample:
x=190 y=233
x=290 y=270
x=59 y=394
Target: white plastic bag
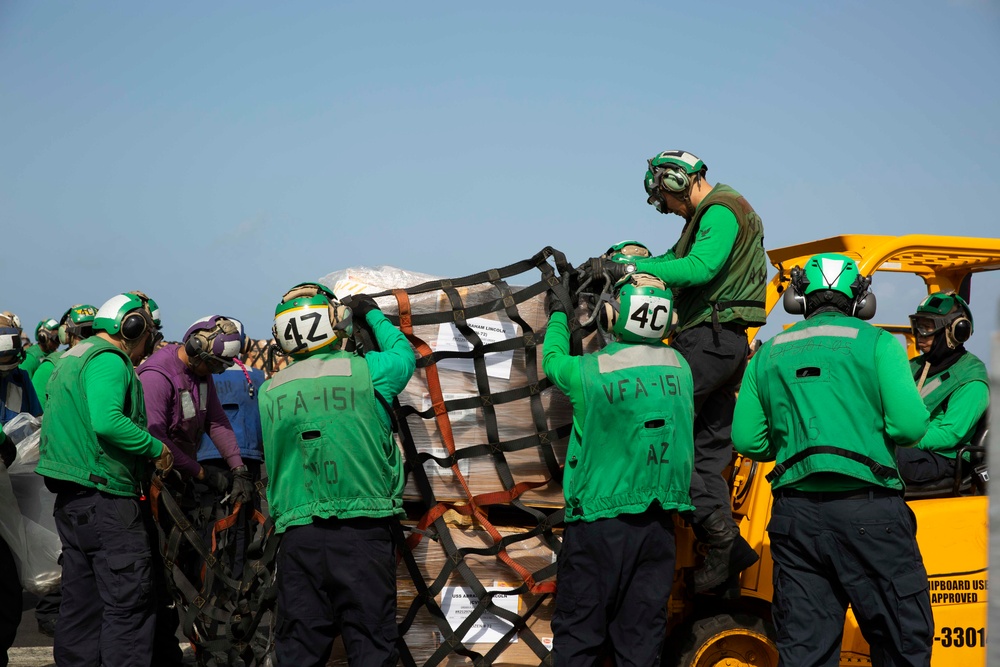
x=26 y=506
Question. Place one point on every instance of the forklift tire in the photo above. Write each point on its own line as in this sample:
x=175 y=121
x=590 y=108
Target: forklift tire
x=733 y=640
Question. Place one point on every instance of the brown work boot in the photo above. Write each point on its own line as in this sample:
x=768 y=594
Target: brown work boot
x=728 y=553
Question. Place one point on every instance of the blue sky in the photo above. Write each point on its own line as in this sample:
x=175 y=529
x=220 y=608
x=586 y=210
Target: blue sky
x=214 y=154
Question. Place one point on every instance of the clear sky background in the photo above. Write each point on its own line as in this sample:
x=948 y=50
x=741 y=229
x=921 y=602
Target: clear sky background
x=214 y=154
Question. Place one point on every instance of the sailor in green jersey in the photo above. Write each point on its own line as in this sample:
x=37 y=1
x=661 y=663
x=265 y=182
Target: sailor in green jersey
x=47 y=342
x=628 y=468
x=953 y=383
x=830 y=400
x=93 y=454
x=718 y=271
x=76 y=324
x=336 y=478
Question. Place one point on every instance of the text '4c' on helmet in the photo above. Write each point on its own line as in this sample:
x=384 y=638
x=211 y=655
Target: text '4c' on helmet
x=310 y=318
x=215 y=340
x=640 y=309
x=77 y=321
x=830 y=271
x=943 y=311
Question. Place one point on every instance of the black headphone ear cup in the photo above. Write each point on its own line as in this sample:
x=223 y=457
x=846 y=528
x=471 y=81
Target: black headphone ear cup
x=193 y=346
x=133 y=326
x=864 y=306
x=793 y=302
x=961 y=329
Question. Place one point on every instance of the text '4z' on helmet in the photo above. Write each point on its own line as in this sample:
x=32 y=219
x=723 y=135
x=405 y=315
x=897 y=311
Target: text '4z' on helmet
x=77 y=321
x=215 y=340
x=672 y=171
x=11 y=348
x=310 y=318
x=640 y=309
x=830 y=271
x=943 y=311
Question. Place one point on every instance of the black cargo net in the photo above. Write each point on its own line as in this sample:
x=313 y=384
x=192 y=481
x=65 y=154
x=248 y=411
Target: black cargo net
x=228 y=619
x=492 y=295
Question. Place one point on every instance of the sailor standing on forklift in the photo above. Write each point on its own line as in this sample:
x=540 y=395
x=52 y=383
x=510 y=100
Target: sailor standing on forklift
x=718 y=269
x=830 y=399
x=336 y=478
x=628 y=468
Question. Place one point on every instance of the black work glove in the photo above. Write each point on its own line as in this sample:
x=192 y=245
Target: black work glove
x=617 y=270
x=217 y=481
x=553 y=304
x=8 y=450
x=242 y=486
x=360 y=305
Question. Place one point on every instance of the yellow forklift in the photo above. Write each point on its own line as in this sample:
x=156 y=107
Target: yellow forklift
x=952 y=519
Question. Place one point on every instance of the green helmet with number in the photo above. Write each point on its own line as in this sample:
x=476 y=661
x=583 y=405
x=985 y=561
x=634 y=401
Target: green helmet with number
x=640 y=309
x=310 y=319
x=672 y=170
x=77 y=321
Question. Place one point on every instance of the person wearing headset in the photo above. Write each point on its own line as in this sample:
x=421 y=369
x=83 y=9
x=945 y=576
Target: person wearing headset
x=830 y=400
x=182 y=404
x=718 y=270
x=76 y=324
x=238 y=388
x=953 y=382
x=47 y=342
x=94 y=453
x=16 y=395
x=628 y=469
x=336 y=478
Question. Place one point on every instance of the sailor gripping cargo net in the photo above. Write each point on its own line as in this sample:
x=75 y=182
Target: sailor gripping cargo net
x=470 y=309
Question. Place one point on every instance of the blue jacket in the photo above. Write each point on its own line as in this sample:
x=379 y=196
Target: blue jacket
x=242 y=410
x=17 y=394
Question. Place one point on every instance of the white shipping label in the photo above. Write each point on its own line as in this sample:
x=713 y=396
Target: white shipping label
x=458 y=602
x=498 y=364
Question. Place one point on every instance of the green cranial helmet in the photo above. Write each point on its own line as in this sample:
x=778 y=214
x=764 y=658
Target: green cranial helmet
x=50 y=325
x=77 y=321
x=639 y=310
x=309 y=319
x=943 y=311
x=830 y=272
x=125 y=315
x=628 y=248
x=672 y=171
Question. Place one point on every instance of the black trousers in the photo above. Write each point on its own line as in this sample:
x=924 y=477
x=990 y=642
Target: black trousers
x=11 y=601
x=828 y=553
x=337 y=577
x=106 y=615
x=917 y=466
x=614 y=578
x=717 y=361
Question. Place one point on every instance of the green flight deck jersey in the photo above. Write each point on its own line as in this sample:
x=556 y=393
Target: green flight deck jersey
x=956 y=398
x=829 y=400
x=109 y=453
x=632 y=442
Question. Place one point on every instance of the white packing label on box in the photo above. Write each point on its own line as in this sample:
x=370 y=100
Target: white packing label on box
x=458 y=602
x=498 y=364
